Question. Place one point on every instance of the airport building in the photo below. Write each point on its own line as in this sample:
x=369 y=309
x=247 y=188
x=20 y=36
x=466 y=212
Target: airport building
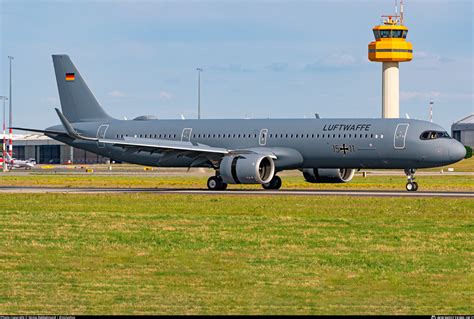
x=463 y=130
x=45 y=150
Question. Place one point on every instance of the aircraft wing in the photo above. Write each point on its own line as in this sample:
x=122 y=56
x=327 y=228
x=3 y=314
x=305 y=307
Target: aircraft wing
x=152 y=145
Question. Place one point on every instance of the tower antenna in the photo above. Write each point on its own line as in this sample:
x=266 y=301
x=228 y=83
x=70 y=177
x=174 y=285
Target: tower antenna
x=396 y=8
x=401 y=12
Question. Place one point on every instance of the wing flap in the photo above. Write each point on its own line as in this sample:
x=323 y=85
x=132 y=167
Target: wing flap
x=158 y=144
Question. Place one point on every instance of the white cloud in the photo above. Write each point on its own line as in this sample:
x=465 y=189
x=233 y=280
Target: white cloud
x=433 y=95
x=430 y=57
x=52 y=100
x=411 y=95
x=338 y=60
x=277 y=67
x=116 y=94
x=165 y=95
x=333 y=62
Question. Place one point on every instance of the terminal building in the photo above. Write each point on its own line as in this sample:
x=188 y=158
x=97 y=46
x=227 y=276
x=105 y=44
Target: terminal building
x=45 y=150
x=463 y=130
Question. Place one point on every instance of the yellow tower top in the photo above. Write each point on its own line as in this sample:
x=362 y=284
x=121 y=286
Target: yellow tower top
x=390 y=43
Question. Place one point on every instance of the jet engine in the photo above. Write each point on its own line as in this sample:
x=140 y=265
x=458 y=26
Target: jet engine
x=247 y=169
x=328 y=175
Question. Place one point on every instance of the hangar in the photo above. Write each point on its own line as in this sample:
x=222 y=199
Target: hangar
x=48 y=151
x=463 y=130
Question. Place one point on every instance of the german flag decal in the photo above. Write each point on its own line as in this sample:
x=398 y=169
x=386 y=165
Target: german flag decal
x=70 y=76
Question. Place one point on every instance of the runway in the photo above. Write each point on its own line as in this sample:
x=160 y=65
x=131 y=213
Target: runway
x=164 y=191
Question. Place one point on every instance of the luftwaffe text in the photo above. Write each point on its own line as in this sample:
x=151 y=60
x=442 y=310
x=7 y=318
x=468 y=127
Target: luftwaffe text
x=346 y=127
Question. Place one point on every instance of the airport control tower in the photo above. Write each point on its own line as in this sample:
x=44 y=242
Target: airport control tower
x=391 y=47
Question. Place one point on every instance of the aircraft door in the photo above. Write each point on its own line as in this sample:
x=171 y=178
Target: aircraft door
x=101 y=134
x=186 y=135
x=400 y=136
x=263 y=137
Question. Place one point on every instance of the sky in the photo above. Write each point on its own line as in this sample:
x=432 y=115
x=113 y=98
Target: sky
x=260 y=59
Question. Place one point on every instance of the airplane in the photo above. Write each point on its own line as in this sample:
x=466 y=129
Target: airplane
x=16 y=163
x=249 y=151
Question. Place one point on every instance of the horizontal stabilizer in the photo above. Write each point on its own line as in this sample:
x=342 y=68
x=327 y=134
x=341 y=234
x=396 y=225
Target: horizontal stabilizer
x=39 y=131
x=70 y=130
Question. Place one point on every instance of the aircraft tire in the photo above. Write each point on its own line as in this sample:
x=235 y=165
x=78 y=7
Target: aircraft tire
x=411 y=187
x=275 y=183
x=215 y=183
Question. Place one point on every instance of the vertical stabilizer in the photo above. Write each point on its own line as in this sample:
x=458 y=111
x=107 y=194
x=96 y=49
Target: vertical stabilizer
x=77 y=101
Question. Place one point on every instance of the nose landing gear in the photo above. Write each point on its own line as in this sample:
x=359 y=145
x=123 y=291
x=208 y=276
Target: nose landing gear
x=411 y=186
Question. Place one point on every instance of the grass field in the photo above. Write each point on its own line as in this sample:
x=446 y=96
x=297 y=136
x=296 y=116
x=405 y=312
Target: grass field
x=372 y=182
x=162 y=254
x=466 y=165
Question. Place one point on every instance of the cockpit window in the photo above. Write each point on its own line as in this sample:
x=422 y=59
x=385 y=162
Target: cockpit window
x=432 y=135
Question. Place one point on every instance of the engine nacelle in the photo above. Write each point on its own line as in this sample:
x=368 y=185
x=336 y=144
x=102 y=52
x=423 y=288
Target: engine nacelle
x=328 y=175
x=247 y=169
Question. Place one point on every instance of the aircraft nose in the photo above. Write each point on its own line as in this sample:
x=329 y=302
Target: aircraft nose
x=457 y=151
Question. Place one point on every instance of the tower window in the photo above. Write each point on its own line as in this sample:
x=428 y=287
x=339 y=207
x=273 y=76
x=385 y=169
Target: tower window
x=397 y=33
x=385 y=33
x=376 y=34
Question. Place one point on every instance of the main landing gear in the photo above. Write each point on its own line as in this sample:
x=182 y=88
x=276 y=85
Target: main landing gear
x=411 y=185
x=215 y=183
x=275 y=183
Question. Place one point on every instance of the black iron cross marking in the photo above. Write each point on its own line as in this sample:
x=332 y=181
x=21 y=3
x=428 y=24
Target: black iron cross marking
x=344 y=149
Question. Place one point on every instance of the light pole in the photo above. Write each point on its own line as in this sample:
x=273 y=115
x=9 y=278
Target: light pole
x=10 y=147
x=4 y=148
x=199 y=92
x=431 y=111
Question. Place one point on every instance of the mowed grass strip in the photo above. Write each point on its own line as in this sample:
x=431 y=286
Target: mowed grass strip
x=180 y=254
x=372 y=182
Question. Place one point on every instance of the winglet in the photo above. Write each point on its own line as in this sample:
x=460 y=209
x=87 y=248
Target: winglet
x=70 y=130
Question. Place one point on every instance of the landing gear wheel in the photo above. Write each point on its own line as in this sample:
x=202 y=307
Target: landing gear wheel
x=275 y=183
x=215 y=183
x=411 y=186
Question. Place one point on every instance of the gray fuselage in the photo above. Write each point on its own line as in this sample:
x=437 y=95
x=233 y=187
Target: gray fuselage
x=298 y=143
